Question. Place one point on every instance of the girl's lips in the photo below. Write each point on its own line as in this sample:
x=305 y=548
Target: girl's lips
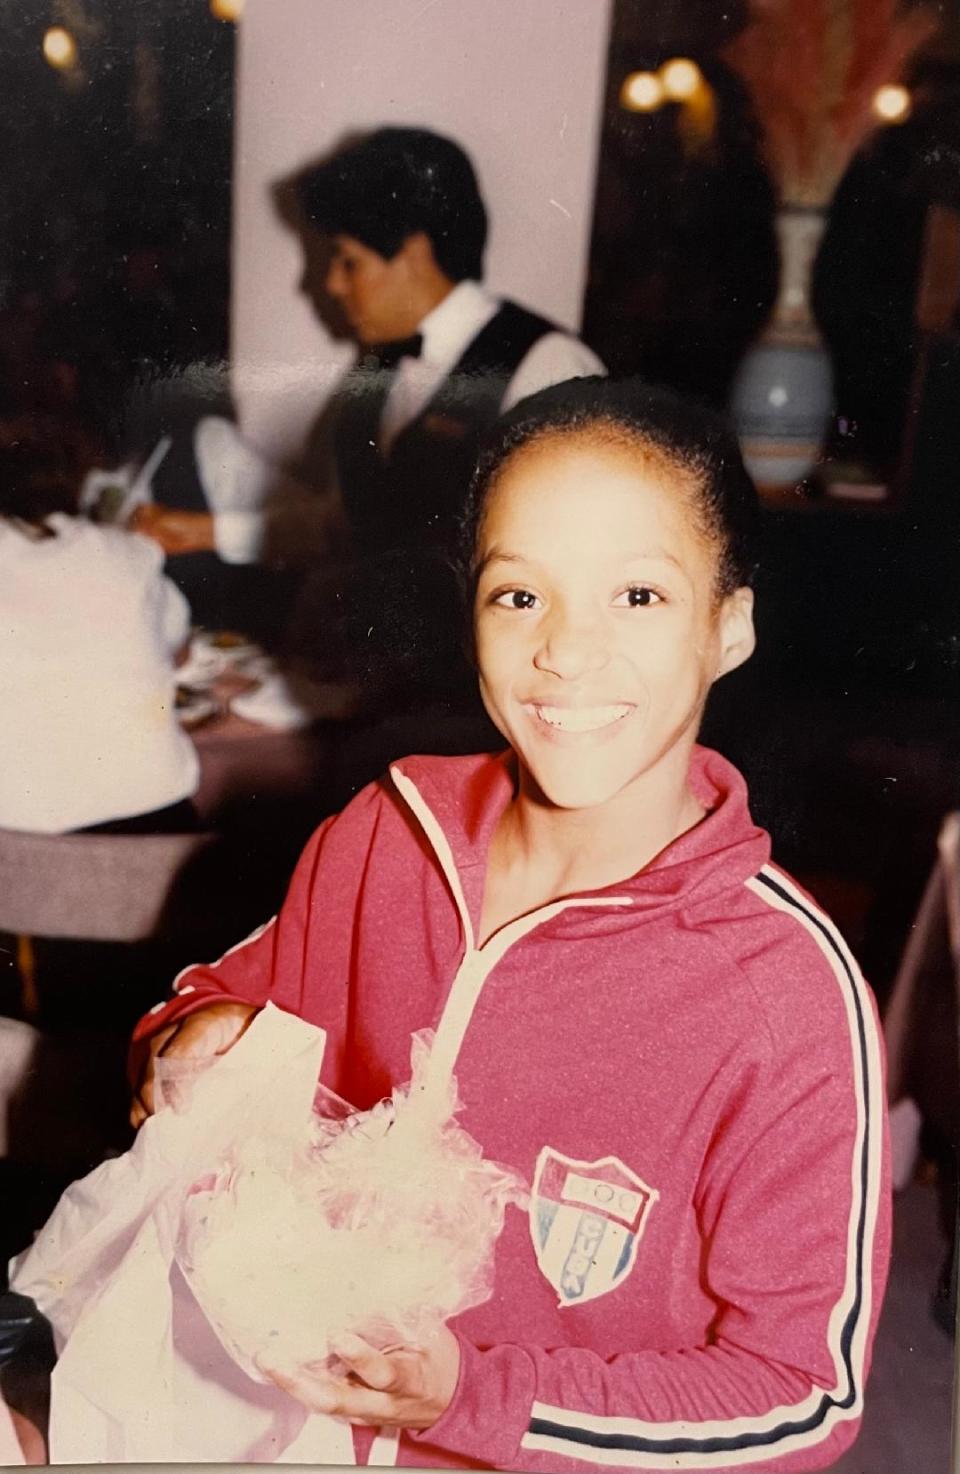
x=577 y=719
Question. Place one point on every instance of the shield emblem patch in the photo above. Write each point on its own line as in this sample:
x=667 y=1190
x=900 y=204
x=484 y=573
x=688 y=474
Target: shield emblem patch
x=587 y=1219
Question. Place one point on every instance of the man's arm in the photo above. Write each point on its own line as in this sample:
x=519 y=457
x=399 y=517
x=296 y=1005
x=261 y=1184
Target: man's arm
x=258 y=512
x=175 y=530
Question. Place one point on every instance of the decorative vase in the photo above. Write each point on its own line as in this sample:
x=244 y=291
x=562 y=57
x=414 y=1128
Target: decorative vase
x=782 y=396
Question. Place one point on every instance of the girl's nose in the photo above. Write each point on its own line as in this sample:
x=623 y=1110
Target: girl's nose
x=572 y=647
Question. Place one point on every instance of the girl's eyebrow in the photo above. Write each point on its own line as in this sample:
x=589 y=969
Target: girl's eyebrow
x=650 y=555
x=654 y=555
x=497 y=555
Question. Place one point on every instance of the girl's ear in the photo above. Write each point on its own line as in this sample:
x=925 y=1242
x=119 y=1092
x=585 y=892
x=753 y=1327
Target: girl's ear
x=737 y=636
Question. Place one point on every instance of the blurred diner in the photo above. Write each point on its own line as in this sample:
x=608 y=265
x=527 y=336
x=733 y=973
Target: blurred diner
x=90 y=632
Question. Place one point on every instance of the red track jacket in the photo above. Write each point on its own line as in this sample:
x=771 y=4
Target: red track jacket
x=685 y=1067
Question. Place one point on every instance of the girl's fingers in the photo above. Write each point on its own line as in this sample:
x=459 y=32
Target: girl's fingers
x=372 y=1367
x=350 y=1400
x=143 y=1102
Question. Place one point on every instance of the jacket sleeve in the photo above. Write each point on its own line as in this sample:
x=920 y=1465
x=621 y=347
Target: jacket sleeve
x=291 y=959
x=794 y=1218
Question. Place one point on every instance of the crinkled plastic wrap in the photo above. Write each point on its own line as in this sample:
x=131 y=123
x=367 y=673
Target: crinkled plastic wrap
x=381 y=1223
x=140 y=1377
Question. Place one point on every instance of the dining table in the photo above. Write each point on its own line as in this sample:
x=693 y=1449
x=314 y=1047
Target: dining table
x=242 y=761
x=247 y=762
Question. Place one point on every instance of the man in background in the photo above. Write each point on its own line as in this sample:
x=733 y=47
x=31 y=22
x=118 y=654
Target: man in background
x=393 y=228
x=440 y=356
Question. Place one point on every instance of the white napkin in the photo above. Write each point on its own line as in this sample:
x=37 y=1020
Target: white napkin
x=280 y=703
x=206 y=660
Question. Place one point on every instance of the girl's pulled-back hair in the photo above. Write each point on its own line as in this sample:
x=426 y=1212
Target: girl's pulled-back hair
x=676 y=431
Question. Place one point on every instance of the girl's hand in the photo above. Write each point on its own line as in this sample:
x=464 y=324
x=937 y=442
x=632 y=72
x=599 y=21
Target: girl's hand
x=211 y=1030
x=408 y=1387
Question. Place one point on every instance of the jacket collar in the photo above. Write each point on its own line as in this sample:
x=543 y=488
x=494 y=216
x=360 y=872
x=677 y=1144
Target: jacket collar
x=465 y=797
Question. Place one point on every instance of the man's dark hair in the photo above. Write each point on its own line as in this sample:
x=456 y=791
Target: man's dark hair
x=682 y=432
x=396 y=182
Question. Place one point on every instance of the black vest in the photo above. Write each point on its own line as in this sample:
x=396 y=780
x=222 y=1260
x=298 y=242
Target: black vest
x=415 y=494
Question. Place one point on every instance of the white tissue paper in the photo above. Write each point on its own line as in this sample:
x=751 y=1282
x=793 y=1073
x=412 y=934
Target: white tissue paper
x=141 y=1378
x=258 y=1215
x=381 y=1223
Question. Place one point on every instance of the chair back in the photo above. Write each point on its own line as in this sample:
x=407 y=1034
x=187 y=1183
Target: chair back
x=91 y=887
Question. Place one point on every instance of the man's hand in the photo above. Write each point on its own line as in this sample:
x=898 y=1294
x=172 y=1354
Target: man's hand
x=408 y=1387
x=176 y=531
x=211 y=1030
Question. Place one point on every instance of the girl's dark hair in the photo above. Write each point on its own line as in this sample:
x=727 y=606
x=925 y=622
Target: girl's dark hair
x=393 y=183
x=38 y=471
x=685 y=434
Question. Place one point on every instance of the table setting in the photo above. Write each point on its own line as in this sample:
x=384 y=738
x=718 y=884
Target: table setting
x=252 y=721
x=225 y=674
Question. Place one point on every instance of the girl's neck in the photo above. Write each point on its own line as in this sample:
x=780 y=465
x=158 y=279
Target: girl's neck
x=540 y=852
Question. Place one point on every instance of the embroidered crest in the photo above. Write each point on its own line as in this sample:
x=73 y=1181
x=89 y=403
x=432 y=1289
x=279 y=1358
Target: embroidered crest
x=587 y=1219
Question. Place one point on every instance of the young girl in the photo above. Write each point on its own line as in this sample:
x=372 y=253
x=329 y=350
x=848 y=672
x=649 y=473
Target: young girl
x=649 y=1022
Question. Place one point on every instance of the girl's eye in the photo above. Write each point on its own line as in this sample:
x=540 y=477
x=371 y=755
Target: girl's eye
x=639 y=596
x=516 y=599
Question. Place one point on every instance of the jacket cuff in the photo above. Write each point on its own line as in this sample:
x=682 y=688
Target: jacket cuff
x=239 y=536
x=490 y=1408
x=170 y=1011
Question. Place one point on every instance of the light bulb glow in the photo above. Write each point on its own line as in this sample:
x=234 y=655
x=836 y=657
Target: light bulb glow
x=226 y=9
x=642 y=92
x=59 y=48
x=681 y=79
x=892 y=103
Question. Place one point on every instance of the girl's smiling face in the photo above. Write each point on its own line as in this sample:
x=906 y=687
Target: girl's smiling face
x=599 y=630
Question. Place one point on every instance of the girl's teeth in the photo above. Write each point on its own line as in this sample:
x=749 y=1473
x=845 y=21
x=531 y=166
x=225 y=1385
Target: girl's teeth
x=581 y=718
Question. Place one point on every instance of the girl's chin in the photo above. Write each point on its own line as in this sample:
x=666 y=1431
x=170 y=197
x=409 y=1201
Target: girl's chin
x=578 y=783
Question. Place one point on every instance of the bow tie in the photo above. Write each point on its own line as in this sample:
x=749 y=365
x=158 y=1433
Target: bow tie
x=388 y=355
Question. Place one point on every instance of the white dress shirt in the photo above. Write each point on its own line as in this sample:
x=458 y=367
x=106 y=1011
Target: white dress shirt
x=446 y=331
x=89 y=626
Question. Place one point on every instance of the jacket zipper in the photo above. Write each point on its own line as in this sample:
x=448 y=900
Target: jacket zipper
x=478 y=962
